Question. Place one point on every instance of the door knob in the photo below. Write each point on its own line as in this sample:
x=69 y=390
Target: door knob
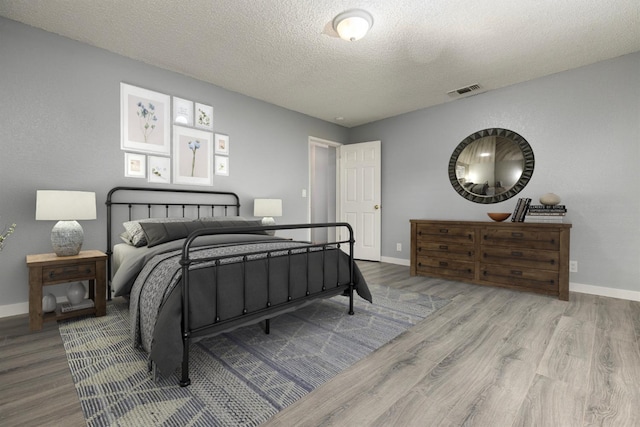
x=376 y=207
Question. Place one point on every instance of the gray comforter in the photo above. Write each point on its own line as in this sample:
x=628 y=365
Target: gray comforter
x=152 y=279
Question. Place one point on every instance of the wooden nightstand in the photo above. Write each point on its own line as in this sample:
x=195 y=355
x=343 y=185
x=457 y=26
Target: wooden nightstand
x=50 y=269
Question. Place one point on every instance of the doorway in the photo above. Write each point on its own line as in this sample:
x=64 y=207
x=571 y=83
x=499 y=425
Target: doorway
x=323 y=161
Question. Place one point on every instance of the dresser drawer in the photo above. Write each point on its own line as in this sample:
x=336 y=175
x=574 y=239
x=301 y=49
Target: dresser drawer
x=68 y=273
x=522 y=258
x=446 y=267
x=445 y=234
x=520 y=277
x=521 y=238
x=447 y=250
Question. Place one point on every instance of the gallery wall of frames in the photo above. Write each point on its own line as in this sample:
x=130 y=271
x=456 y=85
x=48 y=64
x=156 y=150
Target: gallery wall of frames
x=168 y=139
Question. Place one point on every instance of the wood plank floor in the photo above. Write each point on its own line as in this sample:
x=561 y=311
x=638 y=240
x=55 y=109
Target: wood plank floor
x=492 y=357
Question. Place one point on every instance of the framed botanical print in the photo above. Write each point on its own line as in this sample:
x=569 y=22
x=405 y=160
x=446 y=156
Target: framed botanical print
x=145 y=120
x=221 y=143
x=182 y=111
x=159 y=169
x=204 y=116
x=192 y=156
x=134 y=165
x=222 y=165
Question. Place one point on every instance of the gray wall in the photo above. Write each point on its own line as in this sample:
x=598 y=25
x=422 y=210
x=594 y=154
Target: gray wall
x=584 y=128
x=60 y=129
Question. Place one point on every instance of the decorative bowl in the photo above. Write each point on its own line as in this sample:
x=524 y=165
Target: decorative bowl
x=499 y=216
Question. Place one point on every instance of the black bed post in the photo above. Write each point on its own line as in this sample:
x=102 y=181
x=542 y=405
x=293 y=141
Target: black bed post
x=351 y=262
x=186 y=333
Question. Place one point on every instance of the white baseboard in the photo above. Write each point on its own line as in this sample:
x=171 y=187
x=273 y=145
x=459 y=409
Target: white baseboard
x=398 y=261
x=14 y=309
x=604 y=292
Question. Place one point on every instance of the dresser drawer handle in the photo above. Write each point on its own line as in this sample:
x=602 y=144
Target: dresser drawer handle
x=470 y=236
x=516 y=272
x=444 y=247
x=419 y=233
x=443 y=264
x=470 y=253
x=444 y=230
x=516 y=253
x=514 y=234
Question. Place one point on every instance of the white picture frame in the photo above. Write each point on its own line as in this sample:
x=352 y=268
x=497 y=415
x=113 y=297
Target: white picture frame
x=145 y=120
x=192 y=156
x=222 y=165
x=159 y=169
x=134 y=165
x=182 y=111
x=221 y=143
x=203 y=116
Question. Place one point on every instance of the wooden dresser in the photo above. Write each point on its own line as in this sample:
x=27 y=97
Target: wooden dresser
x=517 y=255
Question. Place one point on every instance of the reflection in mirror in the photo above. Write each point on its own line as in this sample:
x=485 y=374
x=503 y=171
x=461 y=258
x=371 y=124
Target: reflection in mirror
x=491 y=165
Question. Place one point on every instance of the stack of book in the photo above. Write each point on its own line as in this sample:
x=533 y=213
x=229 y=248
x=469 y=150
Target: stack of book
x=67 y=306
x=546 y=213
x=521 y=209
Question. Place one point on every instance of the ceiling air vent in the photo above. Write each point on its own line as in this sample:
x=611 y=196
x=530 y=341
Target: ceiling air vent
x=464 y=90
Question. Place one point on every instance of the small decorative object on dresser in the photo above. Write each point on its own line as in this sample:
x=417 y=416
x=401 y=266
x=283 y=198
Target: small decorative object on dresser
x=521 y=256
x=498 y=216
x=549 y=199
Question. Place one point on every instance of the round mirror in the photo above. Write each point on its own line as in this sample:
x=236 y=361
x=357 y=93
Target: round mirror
x=491 y=165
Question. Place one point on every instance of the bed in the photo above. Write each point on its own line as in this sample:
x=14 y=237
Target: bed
x=192 y=267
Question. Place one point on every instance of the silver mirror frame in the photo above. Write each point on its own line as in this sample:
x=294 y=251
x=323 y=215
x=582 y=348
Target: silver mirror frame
x=527 y=172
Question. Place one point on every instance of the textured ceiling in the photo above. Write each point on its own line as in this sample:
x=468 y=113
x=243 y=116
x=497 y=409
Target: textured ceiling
x=286 y=52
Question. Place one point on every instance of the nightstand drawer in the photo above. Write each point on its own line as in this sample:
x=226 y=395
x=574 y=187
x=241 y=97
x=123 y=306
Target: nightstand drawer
x=68 y=273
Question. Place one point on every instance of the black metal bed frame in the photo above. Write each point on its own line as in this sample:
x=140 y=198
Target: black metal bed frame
x=186 y=262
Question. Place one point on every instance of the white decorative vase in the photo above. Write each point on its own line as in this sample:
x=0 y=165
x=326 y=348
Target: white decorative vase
x=49 y=303
x=75 y=293
x=549 y=199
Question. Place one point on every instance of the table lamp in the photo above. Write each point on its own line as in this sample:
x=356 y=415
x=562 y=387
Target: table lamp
x=66 y=207
x=267 y=209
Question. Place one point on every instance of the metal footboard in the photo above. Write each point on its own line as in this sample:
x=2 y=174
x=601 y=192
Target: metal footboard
x=187 y=263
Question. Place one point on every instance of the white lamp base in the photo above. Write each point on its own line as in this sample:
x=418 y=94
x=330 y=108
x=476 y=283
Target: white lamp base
x=67 y=238
x=268 y=220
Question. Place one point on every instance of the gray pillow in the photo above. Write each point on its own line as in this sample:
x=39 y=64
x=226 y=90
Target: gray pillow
x=157 y=233
x=136 y=233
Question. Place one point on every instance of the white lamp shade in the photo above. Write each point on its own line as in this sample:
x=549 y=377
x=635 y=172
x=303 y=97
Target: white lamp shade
x=56 y=205
x=267 y=207
x=353 y=25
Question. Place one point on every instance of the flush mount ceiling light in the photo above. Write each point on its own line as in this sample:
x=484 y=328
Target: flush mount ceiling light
x=353 y=24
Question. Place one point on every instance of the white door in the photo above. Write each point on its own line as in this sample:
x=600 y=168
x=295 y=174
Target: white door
x=360 y=189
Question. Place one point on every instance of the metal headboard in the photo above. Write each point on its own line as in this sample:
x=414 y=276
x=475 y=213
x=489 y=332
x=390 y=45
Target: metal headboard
x=198 y=202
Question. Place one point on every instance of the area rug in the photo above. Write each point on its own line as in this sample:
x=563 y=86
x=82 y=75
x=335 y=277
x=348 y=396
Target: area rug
x=240 y=378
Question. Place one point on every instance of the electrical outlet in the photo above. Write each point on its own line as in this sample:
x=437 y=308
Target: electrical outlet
x=399 y=247
x=573 y=266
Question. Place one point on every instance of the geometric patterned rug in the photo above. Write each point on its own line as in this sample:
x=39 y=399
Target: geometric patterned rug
x=241 y=378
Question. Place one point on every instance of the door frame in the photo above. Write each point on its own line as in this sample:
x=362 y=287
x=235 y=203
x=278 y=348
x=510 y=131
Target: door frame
x=324 y=143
